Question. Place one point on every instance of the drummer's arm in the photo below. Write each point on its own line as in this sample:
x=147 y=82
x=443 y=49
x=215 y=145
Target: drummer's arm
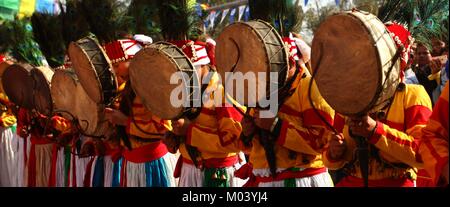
x=312 y=135
x=224 y=139
x=404 y=145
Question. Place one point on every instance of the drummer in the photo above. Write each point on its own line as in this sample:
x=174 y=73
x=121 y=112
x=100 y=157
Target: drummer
x=391 y=133
x=298 y=132
x=210 y=147
x=146 y=161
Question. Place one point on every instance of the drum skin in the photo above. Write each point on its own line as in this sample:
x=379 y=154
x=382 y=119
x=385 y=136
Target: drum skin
x=93 y=69
x=63 y=90
x=251 y=48
x=351 y=56
x=150 y=73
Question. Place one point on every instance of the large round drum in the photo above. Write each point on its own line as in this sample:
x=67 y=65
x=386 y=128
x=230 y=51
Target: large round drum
x=253 y=49
x=18 y=84
x=352 y=54
x=63 y=90
x=93 y=69
x=155 y=65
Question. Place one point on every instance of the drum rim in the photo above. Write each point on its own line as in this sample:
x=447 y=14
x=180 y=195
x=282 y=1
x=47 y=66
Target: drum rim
x=92 y=67
x=376 y=97
x=47 y=88
x=156 y=46
x=266 y=51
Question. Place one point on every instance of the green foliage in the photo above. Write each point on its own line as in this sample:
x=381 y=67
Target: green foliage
x=177 y=20
x=106 y=19
x=74 y=23
x=143 y=17
x=47 y=30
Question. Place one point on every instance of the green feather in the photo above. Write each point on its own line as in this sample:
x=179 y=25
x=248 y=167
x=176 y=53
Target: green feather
x=17 y=40
x=176 y=19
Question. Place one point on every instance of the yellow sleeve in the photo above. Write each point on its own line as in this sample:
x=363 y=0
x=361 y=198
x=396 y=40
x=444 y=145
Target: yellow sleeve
x=311 y=136
x=434 y=143
x=223 y=139
x=403 y=146
x=143 y=123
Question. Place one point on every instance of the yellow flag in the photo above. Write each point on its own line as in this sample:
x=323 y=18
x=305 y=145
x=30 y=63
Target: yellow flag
x=26 y=8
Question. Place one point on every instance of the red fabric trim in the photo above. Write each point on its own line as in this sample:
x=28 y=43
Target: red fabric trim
x=32 y=167
x=416 y=115
x=283 y=133
x=178 y=166
x=311 y=118
x=216 y=162
x=339 y=123
x=208 y=112
x=397 y=126
x=290 y=111
x=87 y=176
x=52 y=178
x=351 y=181
x=229 y=112
x=40 y=140
x=379 y=131
x=146 y=153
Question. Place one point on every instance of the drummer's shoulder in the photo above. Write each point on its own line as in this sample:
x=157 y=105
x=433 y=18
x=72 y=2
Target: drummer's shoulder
x=417 y=95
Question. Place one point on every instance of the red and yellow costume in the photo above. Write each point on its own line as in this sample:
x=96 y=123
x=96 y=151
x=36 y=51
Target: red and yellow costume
x=393 y=156
x=434 y=143
x=146 y=161
x=300 y=138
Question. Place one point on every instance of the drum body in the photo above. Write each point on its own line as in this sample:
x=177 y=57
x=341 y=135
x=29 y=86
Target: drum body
x=42 y=98
x=93 y=69
x=72 y=101
x=352 y=56
x=18 y=84
x=151 y=71
x=63 y=90
x=253 y=49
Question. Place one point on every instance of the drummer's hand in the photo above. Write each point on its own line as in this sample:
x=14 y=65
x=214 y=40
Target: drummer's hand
x=435 y=65
x=296 y=35
x=172 y=141
x=116 y=117
x=362 y=126
x=337 y=147
x=180 y=126
x=248 y=127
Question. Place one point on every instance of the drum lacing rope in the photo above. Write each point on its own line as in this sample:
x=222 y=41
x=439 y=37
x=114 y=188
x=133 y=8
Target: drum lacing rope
x=79 y=129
